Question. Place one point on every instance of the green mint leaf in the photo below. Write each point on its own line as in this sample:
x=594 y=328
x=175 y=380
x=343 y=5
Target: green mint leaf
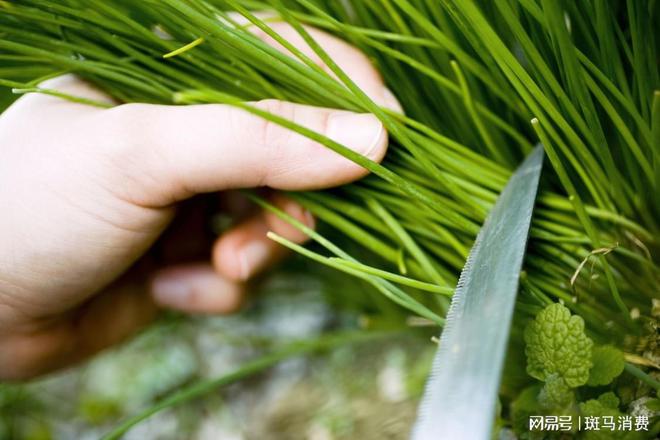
x=556 y=394
x=608 y=363
x=609 y=400
x=556 y=344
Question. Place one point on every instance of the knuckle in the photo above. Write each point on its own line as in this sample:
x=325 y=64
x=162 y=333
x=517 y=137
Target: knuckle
x=121 y=129
x=272 y=138
x=272 y=134
x=129 y=151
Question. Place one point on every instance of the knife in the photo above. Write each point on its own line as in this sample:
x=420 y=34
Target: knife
x=460 y=397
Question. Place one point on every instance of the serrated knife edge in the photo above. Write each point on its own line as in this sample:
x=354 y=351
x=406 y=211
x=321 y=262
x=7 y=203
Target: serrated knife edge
x=461 y=391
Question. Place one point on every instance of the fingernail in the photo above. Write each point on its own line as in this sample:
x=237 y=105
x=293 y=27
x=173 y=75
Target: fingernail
x=363 y=133
x=169 y=290
x=310 y=221
x=195 y=288
x=183 y=288
x=390 y=101
x=299 y=212
x=179 y=288
x=252 y=257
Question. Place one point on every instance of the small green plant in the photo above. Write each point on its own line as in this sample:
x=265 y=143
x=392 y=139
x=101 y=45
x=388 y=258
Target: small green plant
x=561 y=355
x=557 y=347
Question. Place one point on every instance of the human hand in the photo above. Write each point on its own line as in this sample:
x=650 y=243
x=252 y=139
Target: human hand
x=87 y=193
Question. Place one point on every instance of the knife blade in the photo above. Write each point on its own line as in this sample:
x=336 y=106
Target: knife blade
x=460 y=397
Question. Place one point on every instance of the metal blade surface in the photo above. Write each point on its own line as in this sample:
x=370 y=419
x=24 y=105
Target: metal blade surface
x=461 y=393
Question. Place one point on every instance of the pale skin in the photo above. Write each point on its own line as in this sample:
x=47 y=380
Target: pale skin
x=87 y=195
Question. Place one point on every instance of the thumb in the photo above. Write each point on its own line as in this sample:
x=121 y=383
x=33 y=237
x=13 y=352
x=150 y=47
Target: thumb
x=173 y=152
